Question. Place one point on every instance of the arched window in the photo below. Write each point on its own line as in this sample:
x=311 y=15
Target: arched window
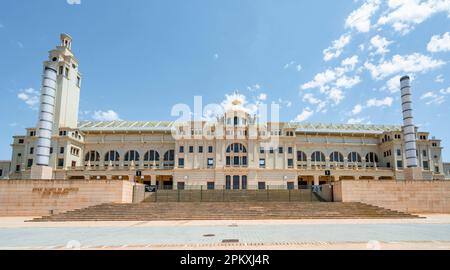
x=236 y=155
x=336 y=157
x=301 y=156
x=371 y=157
x=112 y=156
x=169 y=155
x=236 y=148
x=132 y=155
x=354 y=157
x=151 y=155
x=92 y=156
x=318 y=156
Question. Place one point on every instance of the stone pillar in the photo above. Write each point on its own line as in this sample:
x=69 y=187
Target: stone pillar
x=316 y=180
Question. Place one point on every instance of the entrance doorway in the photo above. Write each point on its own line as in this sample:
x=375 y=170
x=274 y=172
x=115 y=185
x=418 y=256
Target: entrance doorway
x=164 y=181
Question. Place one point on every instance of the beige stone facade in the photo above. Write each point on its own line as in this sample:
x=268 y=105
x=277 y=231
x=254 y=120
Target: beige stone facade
x=233 y=151
x=43 y=197
x=407 y=196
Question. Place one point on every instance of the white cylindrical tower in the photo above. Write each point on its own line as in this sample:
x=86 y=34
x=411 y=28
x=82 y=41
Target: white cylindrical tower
x=46 y=114
x=409 y=130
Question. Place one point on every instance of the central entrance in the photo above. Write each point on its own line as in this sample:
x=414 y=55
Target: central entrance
x=239 y=182
x=164 y=181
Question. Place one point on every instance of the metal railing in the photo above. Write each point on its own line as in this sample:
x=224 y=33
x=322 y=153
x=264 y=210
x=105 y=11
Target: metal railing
x=223 y=194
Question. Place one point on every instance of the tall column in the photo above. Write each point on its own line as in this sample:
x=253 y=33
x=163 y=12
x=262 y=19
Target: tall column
x=45 y=123
x=408 y=125
x=412 y=171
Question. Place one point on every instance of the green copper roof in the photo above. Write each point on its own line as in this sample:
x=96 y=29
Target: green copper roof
x=299 y=127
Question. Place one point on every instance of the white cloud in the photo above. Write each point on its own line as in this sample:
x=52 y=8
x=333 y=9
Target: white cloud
x=432 y=98
x=359 y=120
x=306 y=113
x=288 y=65
x=346 y=82
x=216 y=56
x=439 y=43
x=109 y=115
x=74 y=2
x=30 y=97
x=335 y=50
x=286 y=103
x=439 y=79
x=320 y=80
x=254 y=87
x=393 y=84
x=357 y=109
x=380 y=44
x=262 y=96
x=403 y=15
x=336 y=95
x=415 y=62
x=308 y=97
x=360 y=18
x=445 y=91
x=386 y=102
x=299 y=67
x=350 y=62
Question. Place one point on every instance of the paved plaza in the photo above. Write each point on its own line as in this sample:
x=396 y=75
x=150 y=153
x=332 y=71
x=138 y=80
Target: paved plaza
x=430 y=233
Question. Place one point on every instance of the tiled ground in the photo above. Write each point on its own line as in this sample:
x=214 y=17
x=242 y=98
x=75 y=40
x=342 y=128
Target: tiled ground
x=177 y=234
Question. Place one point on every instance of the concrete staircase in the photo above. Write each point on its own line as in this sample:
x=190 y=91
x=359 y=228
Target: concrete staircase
x=226 y=211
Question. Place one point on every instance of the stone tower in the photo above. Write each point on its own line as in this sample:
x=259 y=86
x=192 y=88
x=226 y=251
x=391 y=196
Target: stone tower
x=59 y=102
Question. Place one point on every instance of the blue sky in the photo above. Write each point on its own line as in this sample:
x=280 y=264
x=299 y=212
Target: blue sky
x=323 y=61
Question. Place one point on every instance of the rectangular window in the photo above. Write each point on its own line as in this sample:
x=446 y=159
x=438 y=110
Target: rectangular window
x=426 y=166
x=61 y=69
x=180 y=185
x=21 y=141
x=399 y=152
x=17 y=168
x=244 y=161
x=1 y=172
x=210 y=185
x=200 y=149
x=261 y=185
x=78 y=81
x=210 y=162
x=261 y=150
x=181 y=162
x=74 y=164
x=67 y=72
x=290 y=163
x=181 y=149
x=236 y=161
x=244 y=182
x=61 y=150
x=210 y=149
x=228 y=182
x=61 y=162
x=191 y=149
x=31 y=150
x=399 y=164
x=290 y=185
x=236 y=182
x=271 y=150
x=280 y=150
x=228 y=161
x=262 y=163
x=30 y=163
x=424 y=153
x=289 y=150
x=51 y=150
x=436 y=169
